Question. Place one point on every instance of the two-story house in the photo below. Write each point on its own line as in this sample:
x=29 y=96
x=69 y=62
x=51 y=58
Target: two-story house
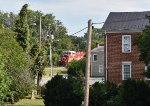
x=121 y=56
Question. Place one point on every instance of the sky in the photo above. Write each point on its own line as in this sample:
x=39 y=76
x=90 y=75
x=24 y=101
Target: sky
x=75 y=13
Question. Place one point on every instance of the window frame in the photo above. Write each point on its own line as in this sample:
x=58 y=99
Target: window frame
x=123 y=44
x=126 y=63
x=94 y=58
x=102 y=68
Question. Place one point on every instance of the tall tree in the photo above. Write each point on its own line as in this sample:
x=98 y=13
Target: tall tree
x=22 y=29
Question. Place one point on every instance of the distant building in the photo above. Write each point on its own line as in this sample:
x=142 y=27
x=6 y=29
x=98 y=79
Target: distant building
x=97 y=62
x=121 y=56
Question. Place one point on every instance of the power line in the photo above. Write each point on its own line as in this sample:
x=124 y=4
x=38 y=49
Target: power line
x=109 y=22
x=79 y=31
x=85 y=28
x=98 y=23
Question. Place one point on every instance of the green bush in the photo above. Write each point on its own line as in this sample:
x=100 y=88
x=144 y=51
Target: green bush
x=63 y=92
x=77 y=68
x=135 y=93
x=4 y=82
x=101 y=94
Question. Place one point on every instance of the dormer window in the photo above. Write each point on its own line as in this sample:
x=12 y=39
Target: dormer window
x=126 y=43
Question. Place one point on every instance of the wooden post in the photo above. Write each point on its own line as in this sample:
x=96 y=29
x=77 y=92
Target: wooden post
x=40 y=30
x=88 y=55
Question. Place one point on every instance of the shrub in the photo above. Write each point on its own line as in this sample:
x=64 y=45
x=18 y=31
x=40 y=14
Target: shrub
x=62 y=92
x=101 y=94
x=135 y=93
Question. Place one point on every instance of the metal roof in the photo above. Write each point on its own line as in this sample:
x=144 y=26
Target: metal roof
x=126 y=21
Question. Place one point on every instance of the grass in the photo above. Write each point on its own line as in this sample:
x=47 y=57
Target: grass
x=29 y=102
x=56 y=70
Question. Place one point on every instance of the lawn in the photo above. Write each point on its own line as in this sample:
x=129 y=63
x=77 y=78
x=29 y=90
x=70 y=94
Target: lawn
x=29 y=102
x=56 y=70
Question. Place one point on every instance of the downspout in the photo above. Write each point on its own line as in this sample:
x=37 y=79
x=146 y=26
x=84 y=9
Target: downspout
x=106 y=57
x=91 y=63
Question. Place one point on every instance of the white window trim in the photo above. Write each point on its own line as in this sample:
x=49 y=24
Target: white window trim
x=93 y=57
x=102 y=69
x=123 y=44
x=126 y=63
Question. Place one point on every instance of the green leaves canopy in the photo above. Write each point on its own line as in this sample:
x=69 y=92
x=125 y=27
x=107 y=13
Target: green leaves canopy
x=21 y=29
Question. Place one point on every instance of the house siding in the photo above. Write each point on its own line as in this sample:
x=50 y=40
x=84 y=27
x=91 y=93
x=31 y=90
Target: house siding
x=115 y=57
x=95 y=64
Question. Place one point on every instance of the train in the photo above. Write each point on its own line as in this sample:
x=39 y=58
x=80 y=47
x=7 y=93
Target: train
x=68 y=56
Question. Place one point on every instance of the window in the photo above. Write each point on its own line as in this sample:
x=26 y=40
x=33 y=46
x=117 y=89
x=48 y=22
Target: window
x=100 y=68
x=126 y=43
x=126 y=70
x=95 y=57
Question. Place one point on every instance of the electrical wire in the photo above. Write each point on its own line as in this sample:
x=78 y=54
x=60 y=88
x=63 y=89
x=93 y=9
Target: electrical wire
x=108 y=22
x=79 y=31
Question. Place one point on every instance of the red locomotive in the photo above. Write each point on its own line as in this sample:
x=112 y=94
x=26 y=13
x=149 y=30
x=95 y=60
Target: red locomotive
x=69 y=56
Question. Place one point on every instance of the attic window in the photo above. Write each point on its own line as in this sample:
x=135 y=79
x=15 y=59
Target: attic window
x=126 y=43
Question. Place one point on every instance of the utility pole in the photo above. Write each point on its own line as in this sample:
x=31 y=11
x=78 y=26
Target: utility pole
x=38 y=74
x=40 y=32
x=88 y=55
x=50 y=54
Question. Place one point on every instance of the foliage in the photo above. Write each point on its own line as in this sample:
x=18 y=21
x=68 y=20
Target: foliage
x=97 y=37
x=21 y=85
x=15 y=64
x=102 y=94
x=135 y=93
x=55 y=58
x=64 y=43
x=34 y=51
x=79 y=43
x=4 y=81
x=77 y=68
x=38 y=65
x=62 y=92
x=147 y=72
x=7 y=20
x=130 y=93
x=143 y=42
x=22 y=29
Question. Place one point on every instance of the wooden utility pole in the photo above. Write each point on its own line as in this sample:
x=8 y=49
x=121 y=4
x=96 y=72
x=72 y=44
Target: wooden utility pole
x=88 y=55
x=38 y=74
x=40 y=32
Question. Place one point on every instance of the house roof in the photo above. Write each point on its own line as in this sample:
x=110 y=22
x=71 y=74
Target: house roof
x=98 y=49
x=126 y=21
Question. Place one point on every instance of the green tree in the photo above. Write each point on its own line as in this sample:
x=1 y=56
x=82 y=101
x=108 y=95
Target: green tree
x=4 y=81
x=143 y=42
x=97 y=37
x=22 y=29
x=77 y=68
x=63 y=92
x=15 y=64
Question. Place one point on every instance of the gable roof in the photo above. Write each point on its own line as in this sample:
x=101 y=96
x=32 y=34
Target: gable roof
x=126 y=21
x=98 y=49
